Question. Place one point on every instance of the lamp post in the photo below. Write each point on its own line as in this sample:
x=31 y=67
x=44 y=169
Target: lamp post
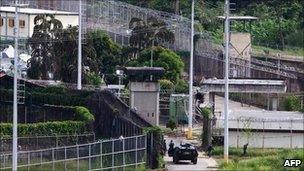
x=79 y=86
x=15 y=100
x=189 y=136
x=119 y=73
x=226 y=103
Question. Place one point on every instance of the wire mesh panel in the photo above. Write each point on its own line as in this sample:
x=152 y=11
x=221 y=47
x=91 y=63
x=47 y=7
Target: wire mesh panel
x=122 y=153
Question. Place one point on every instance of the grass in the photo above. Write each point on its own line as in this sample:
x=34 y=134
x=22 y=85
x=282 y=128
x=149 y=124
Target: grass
x=297 y=52
x=258 y=159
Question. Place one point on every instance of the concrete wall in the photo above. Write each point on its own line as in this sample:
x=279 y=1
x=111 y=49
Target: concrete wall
x=28 y=30
x=145 y=98
x=266 y=140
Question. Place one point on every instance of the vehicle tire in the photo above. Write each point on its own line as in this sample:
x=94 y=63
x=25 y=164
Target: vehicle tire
x=194 y=161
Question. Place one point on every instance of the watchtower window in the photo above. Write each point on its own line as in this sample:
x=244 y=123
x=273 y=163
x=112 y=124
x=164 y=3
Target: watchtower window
x=11 y=22
x=1 y=21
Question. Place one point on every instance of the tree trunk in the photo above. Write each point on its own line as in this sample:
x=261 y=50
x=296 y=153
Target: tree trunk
x=206 y=137
x=177 y=7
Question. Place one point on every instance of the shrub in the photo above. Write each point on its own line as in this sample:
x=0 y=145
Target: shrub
x=171 y=124
x=206 y=112
x=94 y=79
x=292 y=103
x=46 y=128
x=83 y=114
x=52 y=90
x=166 y=84
x=181 y=86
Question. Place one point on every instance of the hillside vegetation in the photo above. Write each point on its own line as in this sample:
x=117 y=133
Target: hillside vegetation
x=280 y=24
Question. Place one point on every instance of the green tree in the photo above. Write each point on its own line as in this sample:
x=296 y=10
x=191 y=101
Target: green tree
x=165 y=58
x=108 y=53
x=54 y=51
x=45 y=30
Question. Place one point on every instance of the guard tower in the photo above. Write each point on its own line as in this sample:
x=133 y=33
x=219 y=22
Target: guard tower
x=144 y=91
x=240 y=46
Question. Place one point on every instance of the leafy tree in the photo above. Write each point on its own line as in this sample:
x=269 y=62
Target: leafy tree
x=166 y=84
x=45 y=29
x=109 y=54
x=54 y=51
x=153 y=32
x=165 y=58
x=292 y=103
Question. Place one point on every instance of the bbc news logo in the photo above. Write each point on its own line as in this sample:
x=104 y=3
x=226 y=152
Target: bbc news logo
x=292 y=163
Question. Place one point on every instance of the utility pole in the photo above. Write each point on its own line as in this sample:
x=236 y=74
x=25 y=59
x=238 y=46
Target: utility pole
x=226 y=105
x=79 y=86
x=15 y=99
x=15 y=105
x=189 y=136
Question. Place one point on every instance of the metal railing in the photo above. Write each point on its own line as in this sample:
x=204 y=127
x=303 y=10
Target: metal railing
x=125 y=153
x=42 y=142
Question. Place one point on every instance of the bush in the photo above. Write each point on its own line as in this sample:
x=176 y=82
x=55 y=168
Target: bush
x=171 y=124
x=181 y=86
x=94 y=79
x=46 y=128
x=83 y=114
x=206 y=112
x=52 y=90
x=292 y=103
x=166 y=84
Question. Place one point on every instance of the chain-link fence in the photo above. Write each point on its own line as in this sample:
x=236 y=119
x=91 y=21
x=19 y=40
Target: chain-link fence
x=43 y=142
x=122 y=153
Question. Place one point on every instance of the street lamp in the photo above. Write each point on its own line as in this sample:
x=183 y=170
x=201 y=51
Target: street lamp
x=119 y=73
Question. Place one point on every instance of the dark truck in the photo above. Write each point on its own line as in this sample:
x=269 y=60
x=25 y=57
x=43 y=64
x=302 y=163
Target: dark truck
x=183 y=152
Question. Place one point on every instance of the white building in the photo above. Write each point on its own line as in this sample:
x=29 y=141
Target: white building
x=26 y=20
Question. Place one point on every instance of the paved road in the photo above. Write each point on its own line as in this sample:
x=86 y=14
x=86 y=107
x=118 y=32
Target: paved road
x=203 y=162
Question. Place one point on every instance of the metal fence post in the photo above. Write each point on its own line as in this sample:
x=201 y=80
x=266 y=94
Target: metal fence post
x=263 y=142
x=28 y=160
x=238 y=136
x=90 y=166
x=100 y=154
x=113 y=154
x=77 y=150
x=136 y=151
x=291 y=133
x=40 y=160
x=53 y=156
x=65 y=156
x=123 y=154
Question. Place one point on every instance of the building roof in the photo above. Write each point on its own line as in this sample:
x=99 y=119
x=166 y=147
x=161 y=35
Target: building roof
x=144 y=70
x=245 y=82
x=35 y=11
x=239 y=17
x=274 y=120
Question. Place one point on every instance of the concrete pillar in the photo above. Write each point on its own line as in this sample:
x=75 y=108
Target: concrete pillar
x=145 y=99
x=274 y=103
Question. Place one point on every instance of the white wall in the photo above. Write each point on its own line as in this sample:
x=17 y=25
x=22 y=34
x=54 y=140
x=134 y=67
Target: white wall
x=27 y=31
x=266 y=140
